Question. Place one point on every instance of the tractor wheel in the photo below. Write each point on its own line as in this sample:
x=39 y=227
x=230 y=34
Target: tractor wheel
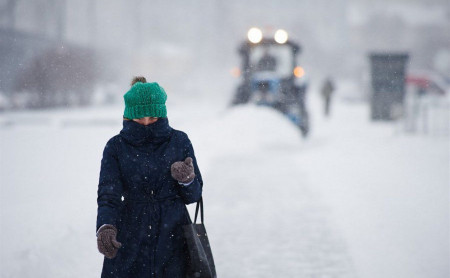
x=242 y=95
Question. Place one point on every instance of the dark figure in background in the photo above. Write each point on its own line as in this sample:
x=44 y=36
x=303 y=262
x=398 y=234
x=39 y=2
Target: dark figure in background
x=267 y=62
x=327 y=91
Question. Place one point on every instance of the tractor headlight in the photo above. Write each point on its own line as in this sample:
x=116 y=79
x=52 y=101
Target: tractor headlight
x=281 y=36
x=254 y=35
x=299 y=72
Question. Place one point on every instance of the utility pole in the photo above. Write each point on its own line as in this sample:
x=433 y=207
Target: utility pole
x=137 y=23
x=9 y=11
x=92 y=18
x=61 y=20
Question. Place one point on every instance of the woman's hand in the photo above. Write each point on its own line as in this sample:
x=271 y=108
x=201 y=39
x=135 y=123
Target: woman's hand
x=183 y=171
x=106 y=241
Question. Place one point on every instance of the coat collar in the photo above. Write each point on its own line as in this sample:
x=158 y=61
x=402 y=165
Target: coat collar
x=137 y=134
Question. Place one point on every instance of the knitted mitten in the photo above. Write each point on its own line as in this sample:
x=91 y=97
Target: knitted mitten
x=183 y=171
x=106 y=241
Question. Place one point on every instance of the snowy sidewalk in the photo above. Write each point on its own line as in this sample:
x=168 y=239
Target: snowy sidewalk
x=388 y=192
x=265 y=222
x=263 y=218
x=354 y=200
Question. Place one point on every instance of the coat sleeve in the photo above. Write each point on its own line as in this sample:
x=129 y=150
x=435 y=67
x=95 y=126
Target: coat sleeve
x=192 y=192
x=110 y=188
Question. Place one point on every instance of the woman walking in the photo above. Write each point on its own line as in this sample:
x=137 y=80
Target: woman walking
x=148 y=174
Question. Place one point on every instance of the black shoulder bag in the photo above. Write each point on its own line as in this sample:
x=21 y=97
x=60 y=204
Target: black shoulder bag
x=201 y=263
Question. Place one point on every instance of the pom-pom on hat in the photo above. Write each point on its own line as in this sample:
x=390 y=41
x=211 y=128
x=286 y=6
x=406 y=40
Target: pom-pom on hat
x=145 y=100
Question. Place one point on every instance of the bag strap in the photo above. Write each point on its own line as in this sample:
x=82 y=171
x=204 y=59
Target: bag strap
x=199 y=204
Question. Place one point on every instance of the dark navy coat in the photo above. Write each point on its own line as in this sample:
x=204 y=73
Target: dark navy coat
x=137 y=194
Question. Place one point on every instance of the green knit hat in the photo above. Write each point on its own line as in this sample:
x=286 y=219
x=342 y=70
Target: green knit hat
x=145 y=100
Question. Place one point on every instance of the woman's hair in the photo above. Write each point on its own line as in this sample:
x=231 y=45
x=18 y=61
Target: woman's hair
x=138 y=79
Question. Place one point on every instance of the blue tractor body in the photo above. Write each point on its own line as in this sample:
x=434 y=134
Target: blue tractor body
x=269 y=78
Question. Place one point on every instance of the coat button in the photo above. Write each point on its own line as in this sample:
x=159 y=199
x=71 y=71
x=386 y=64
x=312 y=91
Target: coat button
x=152 y=192
x=150 y=227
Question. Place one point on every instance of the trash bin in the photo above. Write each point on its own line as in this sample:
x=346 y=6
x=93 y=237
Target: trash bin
x=388 y=84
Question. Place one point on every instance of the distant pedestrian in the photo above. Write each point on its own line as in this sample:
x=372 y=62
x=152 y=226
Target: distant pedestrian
x=327 y=92
x=148 y=174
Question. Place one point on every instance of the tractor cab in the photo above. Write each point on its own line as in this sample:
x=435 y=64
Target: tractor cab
x=271 y=76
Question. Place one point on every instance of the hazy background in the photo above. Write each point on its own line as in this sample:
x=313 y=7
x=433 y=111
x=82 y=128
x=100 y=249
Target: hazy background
x=178 y=43
x=356 y=198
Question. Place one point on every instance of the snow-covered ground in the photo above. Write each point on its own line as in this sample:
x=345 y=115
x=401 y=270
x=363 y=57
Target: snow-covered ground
x=356 y=199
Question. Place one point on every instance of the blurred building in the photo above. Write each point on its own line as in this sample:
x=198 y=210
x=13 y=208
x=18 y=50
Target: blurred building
x=179 y=42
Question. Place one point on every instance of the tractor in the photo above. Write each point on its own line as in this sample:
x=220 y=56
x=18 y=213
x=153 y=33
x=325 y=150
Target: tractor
x=270 y=76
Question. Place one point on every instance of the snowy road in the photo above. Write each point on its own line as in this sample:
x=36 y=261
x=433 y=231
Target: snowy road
x=264 y=219
x=355 y=200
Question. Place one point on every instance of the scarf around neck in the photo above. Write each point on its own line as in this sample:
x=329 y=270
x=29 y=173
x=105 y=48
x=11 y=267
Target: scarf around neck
x=137 y=134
